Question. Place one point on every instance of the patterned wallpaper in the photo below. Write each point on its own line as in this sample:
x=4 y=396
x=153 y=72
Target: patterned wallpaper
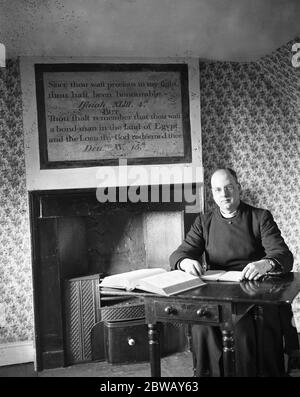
x=250 y=122
x=15 y=265
x=250 y=116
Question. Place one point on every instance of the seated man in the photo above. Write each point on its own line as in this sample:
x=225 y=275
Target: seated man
x=237 y=236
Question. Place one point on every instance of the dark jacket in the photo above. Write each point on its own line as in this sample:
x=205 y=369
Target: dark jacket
x=231 y=244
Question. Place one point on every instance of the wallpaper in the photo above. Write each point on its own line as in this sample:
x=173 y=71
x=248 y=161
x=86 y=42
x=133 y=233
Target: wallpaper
x=250 y=121
x=250 y=115
x=15 y=265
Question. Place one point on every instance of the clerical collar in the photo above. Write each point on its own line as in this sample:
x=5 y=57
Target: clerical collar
x=231 y=215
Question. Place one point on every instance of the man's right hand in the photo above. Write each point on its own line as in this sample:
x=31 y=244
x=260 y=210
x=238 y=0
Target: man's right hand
x=191 y=266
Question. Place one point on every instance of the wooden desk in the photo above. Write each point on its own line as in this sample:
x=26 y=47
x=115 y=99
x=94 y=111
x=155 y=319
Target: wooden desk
x=218 y=304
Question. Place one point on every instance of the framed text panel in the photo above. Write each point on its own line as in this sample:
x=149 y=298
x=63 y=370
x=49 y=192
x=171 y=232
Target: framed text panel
x=93 y=114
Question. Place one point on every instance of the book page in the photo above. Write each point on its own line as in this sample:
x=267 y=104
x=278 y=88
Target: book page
x=169 y=278
x=129 y=280
x=231 y=276
x=170 y=282
x=212 y=275
x=222 y=275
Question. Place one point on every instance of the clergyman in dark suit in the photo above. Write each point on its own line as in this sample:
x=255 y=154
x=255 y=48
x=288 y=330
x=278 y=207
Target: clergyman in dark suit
x=237 y=236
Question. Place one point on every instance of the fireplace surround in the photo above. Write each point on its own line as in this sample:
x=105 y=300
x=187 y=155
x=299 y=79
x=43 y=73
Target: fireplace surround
x=74 y=235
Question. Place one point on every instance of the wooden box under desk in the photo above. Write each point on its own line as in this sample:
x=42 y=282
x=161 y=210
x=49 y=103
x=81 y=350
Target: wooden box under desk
x=126 y=341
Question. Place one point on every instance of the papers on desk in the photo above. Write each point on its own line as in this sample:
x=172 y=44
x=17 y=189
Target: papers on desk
x=222 y=275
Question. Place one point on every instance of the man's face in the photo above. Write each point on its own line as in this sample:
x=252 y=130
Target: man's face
x=226 y=191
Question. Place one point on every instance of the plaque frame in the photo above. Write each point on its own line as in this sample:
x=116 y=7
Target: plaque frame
x=46 y=163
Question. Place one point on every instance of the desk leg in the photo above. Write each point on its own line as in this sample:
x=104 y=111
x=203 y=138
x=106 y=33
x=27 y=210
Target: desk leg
x=154 y=349
x=259 y=325
x=228 y=352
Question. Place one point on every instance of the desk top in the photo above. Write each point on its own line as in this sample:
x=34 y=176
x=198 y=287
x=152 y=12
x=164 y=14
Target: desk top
x=274 y=289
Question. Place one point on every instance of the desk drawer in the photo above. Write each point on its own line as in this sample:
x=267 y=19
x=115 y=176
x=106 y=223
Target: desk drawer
x=201 y=312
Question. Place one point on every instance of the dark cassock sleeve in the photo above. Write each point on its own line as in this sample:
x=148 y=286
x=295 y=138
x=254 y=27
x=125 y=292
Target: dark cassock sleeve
x=192 y=247
x=274 y=244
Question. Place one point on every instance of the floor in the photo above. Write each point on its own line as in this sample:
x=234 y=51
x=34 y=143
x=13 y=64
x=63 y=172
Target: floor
x=179 y=364
x=175 y=365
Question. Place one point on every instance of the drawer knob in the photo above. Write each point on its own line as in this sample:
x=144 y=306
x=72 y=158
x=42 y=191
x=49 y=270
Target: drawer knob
x=170 y=310
x=202 y=312
x=131 y=341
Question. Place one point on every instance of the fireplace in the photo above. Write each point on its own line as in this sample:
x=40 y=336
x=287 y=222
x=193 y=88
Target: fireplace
x=74 y=235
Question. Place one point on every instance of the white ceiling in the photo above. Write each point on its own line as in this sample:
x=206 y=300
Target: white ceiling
x=212 y=29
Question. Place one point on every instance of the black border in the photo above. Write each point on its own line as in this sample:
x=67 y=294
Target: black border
x=92 y=67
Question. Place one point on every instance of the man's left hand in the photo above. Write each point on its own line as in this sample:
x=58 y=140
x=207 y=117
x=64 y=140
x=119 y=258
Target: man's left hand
x=254 y=270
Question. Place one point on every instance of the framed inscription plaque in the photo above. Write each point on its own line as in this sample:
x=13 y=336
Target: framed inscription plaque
x=96 y=114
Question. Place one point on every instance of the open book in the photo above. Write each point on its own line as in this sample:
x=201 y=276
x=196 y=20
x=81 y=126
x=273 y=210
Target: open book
x=222 y=275
x=157 y=280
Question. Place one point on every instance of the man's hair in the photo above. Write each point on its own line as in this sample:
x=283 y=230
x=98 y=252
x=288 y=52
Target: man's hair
x=230 y=170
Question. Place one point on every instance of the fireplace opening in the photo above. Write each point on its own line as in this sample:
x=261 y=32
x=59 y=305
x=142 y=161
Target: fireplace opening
x=74 y=235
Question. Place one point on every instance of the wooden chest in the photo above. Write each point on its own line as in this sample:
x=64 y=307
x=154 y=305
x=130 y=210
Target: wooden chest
x=126 y=341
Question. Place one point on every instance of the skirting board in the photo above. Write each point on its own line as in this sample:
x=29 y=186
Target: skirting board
x=17 y=353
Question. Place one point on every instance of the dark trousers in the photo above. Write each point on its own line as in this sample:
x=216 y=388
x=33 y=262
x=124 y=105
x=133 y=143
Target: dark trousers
x=278 y=336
